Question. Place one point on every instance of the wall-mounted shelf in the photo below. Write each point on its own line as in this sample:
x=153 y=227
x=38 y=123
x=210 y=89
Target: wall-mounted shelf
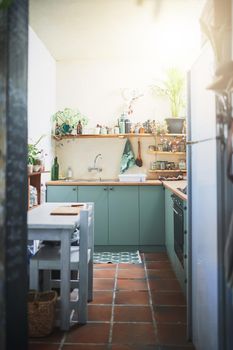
x=121 y=136
x=165 y=153
x=168 y=171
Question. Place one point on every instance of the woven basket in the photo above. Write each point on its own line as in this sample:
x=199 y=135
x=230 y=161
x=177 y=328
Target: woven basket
x=41 y=313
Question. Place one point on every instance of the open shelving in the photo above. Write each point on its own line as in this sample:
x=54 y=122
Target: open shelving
x=58 y=138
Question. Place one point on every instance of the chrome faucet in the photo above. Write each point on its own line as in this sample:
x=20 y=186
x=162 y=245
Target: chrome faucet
x=98 y=169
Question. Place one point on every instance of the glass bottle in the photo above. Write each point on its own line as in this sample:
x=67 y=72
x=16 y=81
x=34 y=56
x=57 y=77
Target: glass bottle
x=122 y=124
x=79 y=128
x=55 y=170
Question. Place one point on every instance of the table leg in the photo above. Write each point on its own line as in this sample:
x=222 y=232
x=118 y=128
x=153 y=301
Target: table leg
x=65 y=281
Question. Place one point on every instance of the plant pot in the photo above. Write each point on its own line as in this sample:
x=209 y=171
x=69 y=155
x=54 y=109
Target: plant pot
x=175 y=125
x=36 y=168
x=30 y=168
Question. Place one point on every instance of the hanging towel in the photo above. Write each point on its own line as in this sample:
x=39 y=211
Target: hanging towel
x=228 y=255
x=127 y=159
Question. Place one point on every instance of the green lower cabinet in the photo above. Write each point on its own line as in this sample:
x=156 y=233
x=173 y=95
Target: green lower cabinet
x=169 y=223
x=169 y=233
x=123 y=215
x=98 y=195
x=61 y=194
x=151 y=214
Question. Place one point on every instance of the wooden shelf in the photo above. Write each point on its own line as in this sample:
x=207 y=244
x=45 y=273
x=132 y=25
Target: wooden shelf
x=165 y=153
x=34 y=179
x=120 y=136
x=168 y=171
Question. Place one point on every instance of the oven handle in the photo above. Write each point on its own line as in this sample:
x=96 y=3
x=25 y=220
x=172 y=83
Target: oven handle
x=176 y=212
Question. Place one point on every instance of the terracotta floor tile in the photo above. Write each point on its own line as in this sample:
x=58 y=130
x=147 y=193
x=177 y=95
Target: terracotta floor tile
x=174 y=334
x=85 y=347
x=159 y=265
x=166 y=284
x=168 y=298
x=160 y=256
x=131 y=266
x=102 y=297
x=161 y=274
x=134 y=347
x=170 y=314
x=103 y=283
x=132 y=314
x=89 y=333
x=99 y=313
x=105 y=273
x=129 y=298
x=43 y=346
x=105 y=266
x=179 y=347
x=135 y=273
x=131 y=333
x=133 y=284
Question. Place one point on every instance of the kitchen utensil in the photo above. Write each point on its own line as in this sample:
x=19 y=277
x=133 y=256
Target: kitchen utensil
x=139 y=158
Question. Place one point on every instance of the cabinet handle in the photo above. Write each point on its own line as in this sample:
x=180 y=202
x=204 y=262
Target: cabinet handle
x=111 y=188
x=176 y=212
x=105 y=188
x=74 y=189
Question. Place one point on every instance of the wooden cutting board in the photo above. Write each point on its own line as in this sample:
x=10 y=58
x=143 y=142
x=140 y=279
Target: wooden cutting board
x=67 y=210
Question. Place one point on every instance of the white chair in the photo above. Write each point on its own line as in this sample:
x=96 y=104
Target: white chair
x=48 y=259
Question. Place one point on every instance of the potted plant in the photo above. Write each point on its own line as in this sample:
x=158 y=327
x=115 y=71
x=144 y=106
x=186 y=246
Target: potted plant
x=173 y=88
x=34 y=161
x=67 y=121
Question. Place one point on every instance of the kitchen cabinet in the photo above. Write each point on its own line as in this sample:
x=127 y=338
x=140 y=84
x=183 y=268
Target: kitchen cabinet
x=62 y=194
x=123 y=215
x=116 y=213
x=98 y=195
x=151 y=215
x=180 y=271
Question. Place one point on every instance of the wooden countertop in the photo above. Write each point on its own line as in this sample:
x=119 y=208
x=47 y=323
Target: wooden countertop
x=173 y=185
x=103 y=183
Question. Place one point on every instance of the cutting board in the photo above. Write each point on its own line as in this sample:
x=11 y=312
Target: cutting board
x=67 y=210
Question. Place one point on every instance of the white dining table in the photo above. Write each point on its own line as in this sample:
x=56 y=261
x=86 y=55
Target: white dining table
x=44 y=226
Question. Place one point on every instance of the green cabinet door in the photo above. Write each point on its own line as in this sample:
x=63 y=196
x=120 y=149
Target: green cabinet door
x=98 y=195
x=151 y=211
x=123 y=215
x=169 y=224
x=61 y=194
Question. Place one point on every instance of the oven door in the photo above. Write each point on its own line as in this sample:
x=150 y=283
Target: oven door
x=178 y=230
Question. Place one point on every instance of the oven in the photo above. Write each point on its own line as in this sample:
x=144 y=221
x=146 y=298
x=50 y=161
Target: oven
x=178 y=212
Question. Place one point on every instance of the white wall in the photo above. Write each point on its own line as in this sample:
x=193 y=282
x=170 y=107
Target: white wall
x=41 y=94
x=95 y=88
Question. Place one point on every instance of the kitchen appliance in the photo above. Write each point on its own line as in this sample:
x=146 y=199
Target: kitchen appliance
x=210 y=310
x=178 y=212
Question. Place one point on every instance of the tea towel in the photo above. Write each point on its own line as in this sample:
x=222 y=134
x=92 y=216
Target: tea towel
x=127 y=159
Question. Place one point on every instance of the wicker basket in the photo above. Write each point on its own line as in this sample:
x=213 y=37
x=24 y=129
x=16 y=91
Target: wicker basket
x=41 y=313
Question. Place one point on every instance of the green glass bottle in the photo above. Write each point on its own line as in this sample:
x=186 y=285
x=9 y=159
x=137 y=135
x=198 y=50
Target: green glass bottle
x=55 y=170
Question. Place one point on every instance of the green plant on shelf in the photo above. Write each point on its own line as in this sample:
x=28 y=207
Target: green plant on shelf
x=66 y=121
x=34 y=152
x=173 y=87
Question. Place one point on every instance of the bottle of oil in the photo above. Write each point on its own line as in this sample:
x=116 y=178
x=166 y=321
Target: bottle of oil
x=55 y=170
x=79 y=128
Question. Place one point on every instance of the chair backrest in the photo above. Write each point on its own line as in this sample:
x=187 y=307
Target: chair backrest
x=86 y=229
